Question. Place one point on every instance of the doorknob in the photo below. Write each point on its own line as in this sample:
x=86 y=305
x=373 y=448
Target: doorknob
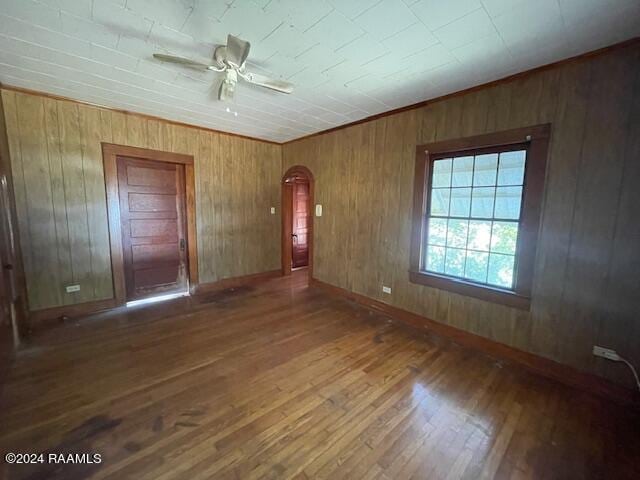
x=182 y=244
x=293 y=235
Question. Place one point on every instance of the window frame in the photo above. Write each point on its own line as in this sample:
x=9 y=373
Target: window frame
x=536 y=141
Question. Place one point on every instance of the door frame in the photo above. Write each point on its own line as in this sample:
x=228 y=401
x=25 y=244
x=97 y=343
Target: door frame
x=110 y=152
x=287 y=218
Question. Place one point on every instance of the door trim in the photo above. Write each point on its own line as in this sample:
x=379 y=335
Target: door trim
x=287 y=216
x=109 y=153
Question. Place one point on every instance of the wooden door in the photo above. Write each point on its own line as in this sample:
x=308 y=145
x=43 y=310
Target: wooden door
x=300 y=229
x=152 y=215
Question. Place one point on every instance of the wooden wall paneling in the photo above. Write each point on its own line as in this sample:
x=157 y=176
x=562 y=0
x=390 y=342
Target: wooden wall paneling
x=19 y=187
x=560 y=189
x=599 y=181
x=76 y=200
x=623 y=280
x=62 y=244
x=205 y=189
x=136 y=131
x=41 y=221
x=68 y=145
x=219 y=196
x=227 y=207
x=91 y=130
x=119 y=128
x=577 y=224
x=154 y=138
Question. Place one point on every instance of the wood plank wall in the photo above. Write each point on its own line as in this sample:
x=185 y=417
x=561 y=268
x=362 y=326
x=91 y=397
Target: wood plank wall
x=587 y=281
x=60 y=195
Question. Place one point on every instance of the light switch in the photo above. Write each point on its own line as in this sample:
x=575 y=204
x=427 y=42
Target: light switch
x=72 y=288
x=273 y=210
x=318 y=210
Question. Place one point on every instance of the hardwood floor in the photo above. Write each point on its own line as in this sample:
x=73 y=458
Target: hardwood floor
x=281 y=380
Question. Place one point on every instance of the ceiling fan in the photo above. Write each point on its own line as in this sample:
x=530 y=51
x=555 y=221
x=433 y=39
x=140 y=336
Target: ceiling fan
x=230 y=59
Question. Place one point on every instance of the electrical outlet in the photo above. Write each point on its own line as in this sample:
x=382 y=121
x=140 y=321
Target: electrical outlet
x=72 y=288
x=386 y=289
x=607 y=353
x=273 y=210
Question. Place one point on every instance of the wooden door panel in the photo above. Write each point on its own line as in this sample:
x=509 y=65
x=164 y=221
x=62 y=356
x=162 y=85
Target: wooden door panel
x=149 y=202
x=154 y=278
x=140 y=176
x=152 y=205
x=301 y=212
x=153 y=254
x=154 y=228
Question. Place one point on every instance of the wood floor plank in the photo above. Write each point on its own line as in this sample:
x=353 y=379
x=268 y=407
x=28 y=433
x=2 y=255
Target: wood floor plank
x=281 y=380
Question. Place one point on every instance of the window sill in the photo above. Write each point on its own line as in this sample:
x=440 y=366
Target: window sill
x=489 y=294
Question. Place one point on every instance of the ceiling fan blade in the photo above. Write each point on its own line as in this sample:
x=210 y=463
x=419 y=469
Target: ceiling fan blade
x=264 y=81
x=237 y=51
x=183 y=61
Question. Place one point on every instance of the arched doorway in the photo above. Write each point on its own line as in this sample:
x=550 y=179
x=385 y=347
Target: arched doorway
x=297 y=219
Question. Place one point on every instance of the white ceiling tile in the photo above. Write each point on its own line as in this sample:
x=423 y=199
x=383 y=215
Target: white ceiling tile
x=300 y=14
x=352 y=8
x=320 y=57
x=169 y=13
x=80 y=8
x=482 y=50
x=411 y=40
x=465 y=30
x=113 y=57
x=357 y=59
x=211 y=8
x=41 y=36
x=386 y=18
x=120 y=20
x=498 y=7
x=286 y=40
x=32 y=12
x=363 y=49
x=437 y=13
x=248 y=21
x=592 y=11
x=83 y=28
x=347 y=71
x=205 y=28
x=334 y=30
x=531 y=26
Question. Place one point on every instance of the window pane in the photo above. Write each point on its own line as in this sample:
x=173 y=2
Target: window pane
x=438 y=231
x=454 y=263
x=479 y=235
x=501 y=270
x=504 y=237
x=460 y=202
x=508 y=202
x=482 y=202
x=485 y=169
x=441 y=173
x=511 y=170
x=476 y=266
x=457 y=233
x=435 y=259
x=440 y=201
x=462 y=172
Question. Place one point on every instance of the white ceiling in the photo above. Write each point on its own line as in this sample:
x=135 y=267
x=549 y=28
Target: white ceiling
x=349 y=59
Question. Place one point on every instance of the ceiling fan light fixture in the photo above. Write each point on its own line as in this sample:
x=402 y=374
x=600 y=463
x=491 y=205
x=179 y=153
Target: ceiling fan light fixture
x=230 y=59
x=227 y=90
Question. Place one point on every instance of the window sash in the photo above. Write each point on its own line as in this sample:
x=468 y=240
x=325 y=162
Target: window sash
x=534 y=140
x=428 y=215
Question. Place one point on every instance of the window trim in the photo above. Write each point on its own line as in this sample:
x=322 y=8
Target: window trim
x=536 y=138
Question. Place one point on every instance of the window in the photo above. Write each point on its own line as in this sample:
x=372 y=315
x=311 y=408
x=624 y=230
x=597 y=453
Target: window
x=476 y=213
